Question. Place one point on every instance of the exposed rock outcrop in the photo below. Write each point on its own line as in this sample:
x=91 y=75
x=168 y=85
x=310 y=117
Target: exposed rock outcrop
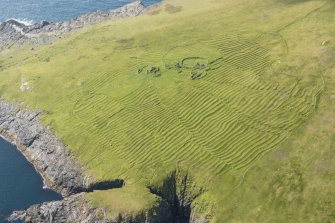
x=75 y=209
x=72 y=209
x=61 y=173
x=41 y=147
x=22 y=127
x=179 y=190
x=58 y=167
x=39 y=144
x=13 y=32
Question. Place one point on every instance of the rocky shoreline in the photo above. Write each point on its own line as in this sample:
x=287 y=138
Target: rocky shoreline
x=76 y=209
x=71 y=209
x=63 y=174
x=14 y=33
x=41 y=146
x=56 y=164
x=49 y=156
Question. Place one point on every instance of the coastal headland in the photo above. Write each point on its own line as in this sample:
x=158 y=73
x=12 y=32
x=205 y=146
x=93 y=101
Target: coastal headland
x=186 y=111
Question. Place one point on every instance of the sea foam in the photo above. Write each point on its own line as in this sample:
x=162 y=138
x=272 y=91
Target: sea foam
x=26 y=22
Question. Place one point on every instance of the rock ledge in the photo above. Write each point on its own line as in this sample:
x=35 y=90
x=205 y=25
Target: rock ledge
x=13 y=32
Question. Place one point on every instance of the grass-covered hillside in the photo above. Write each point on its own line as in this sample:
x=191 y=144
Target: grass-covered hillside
x=234 y=98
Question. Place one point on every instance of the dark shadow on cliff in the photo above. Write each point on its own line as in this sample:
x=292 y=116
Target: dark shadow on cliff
x=179 y=191
x=106 y=185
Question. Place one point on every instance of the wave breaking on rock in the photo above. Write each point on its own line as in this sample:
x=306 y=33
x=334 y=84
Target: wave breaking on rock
x=17 y=32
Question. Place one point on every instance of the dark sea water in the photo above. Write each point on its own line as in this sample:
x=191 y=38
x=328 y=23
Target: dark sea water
x=55 y=10
x=20 y=185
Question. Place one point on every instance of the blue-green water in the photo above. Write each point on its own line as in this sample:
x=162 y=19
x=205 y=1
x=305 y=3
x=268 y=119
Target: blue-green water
x=56 y=10
x=20 y=185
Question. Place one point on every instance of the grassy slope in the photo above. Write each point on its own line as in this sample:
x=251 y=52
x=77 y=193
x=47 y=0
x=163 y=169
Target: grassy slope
x=266 y=64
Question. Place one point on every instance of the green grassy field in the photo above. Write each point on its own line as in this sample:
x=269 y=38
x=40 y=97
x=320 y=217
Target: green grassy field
x=235 y=93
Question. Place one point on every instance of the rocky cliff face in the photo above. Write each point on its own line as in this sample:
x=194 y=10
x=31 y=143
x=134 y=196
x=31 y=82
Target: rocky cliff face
x=48 y=154
x=37 y=143
x=15 y=33
x=180 y=191
x=61 y=173
x=72 y=209
x=53 y=161
x=76 y=209
x=175 y=204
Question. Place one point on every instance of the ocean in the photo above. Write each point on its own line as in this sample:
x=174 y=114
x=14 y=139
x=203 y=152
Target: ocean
x=31 y=11
x=20 y=185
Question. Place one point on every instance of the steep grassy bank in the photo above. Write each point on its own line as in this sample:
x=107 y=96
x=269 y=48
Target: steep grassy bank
x=209 y=87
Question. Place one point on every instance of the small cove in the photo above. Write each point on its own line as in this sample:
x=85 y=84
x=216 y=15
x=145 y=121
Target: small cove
x=20 y=185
